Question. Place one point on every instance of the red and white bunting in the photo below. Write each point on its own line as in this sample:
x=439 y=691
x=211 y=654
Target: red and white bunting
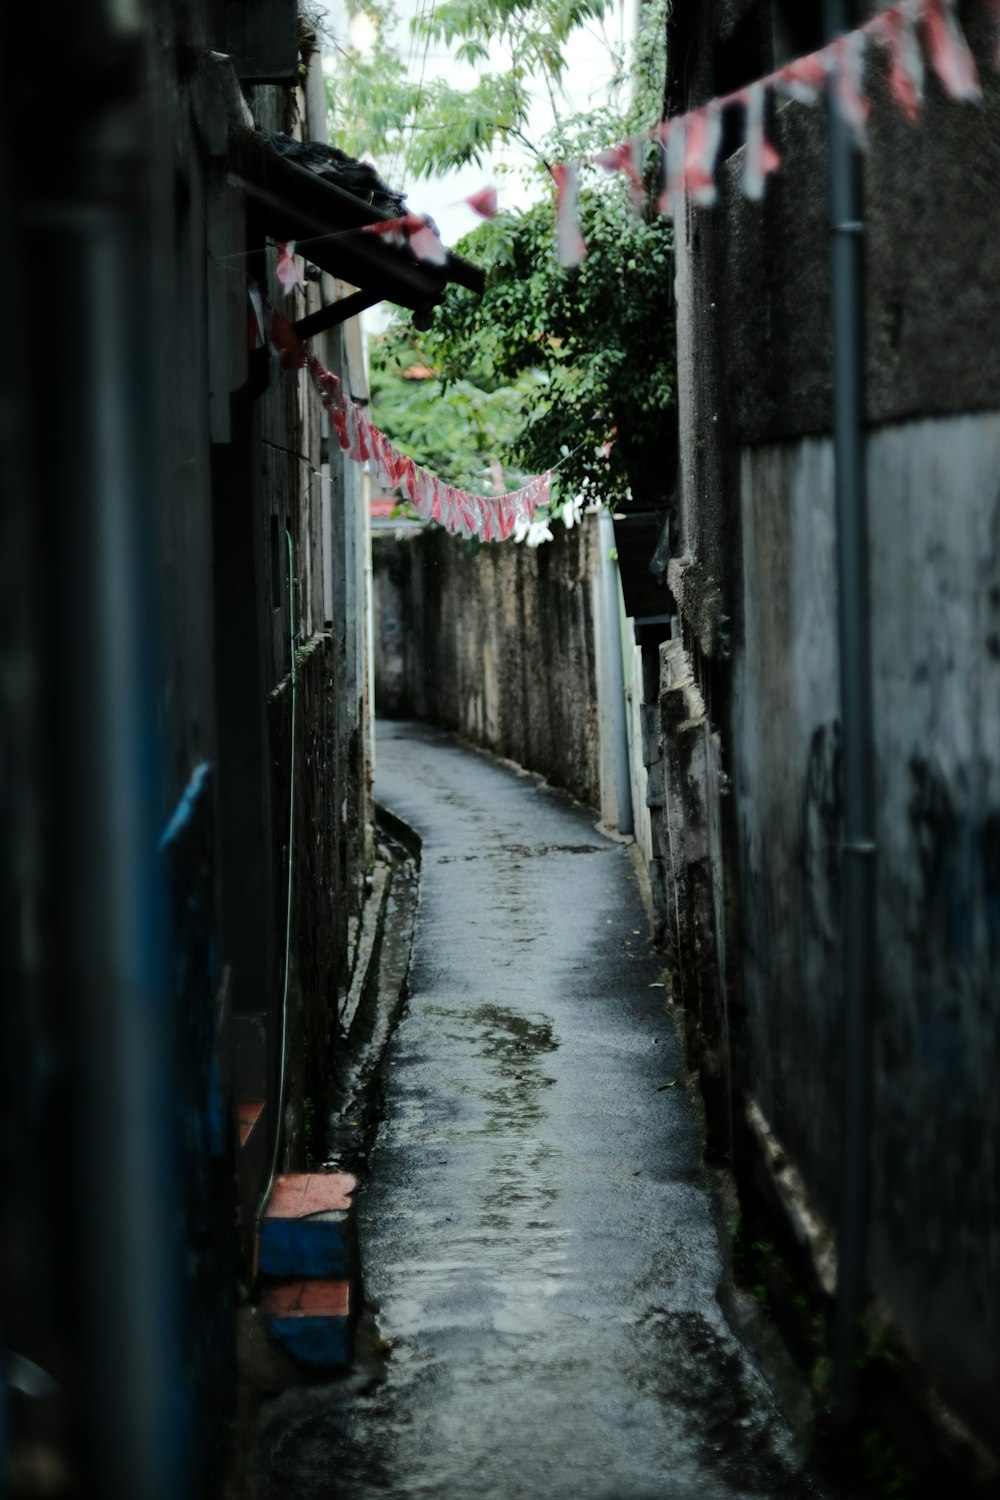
x=425 y=242
x=383 y=469
x=804 y=79
x=286 y=270
x=489 y=517
x=949 y=51
x=701 y=149
x=848 y=64
x=915 y=33
x=570 y=249
x=357 y=422
x=484 y=202
x=673 y=139
x=760 y=158
x=906 y=61
x=628 y=158
x=285 y=343
x=910 y=29
x=414 y=231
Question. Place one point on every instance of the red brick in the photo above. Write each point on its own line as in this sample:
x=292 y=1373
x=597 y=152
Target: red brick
x=307 y=1299
x=299 y=1194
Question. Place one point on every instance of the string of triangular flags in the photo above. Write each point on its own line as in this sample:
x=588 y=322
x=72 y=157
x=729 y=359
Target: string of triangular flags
x=491 y=518
x=415 y=232
x=690 y=143
x=908 y=31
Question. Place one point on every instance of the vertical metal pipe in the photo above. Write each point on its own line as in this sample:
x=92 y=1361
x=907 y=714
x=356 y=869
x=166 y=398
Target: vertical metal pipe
x=612 y=646
x=858 y=864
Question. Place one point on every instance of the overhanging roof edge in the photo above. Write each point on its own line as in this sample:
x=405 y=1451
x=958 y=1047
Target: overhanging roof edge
x=301 y=205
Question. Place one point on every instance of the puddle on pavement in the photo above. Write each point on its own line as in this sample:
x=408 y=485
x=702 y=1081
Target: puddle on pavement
x=513 y=1046
x=523 y=851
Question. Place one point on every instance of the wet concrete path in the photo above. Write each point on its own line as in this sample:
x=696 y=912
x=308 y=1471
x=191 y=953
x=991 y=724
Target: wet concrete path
x=536 y=1230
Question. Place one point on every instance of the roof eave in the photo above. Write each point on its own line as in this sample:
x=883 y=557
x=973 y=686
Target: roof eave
x=295 y=203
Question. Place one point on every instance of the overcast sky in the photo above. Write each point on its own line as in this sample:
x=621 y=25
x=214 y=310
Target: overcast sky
x=588 y=76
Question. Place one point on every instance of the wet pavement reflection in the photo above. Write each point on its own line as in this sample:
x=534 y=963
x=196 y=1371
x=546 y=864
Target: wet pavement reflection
x=536 y=1231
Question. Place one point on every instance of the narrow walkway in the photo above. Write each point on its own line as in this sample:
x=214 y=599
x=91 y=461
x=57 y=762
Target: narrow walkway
x=536 y=1230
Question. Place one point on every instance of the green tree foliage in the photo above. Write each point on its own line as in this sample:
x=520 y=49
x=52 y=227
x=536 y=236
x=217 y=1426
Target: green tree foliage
x=429 y=125
x=574 y=366
x=586 y=355
x=461 y=429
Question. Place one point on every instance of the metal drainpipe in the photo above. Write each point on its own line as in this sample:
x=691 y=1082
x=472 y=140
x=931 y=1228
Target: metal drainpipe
x=615 y=670
x=858 y=863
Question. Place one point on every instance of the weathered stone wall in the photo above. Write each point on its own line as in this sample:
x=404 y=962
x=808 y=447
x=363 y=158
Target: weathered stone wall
x=496 y=643
x=749 y=754
x=936 y=647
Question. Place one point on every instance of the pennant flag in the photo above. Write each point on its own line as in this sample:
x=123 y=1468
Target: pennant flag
x=383 y=469
x=508 y=516
x=484 y=202
x=413 y=230
x=285 y=343
x=949 y=51
x=338 y=421
x=702 y=141
x=570 y=248
x=626 y=157
x=804 y=79
x=450 y=509
x=425 y=242
x=287 y=271
x=454 y=512
x=906 y=62
x=357 y=431
x=327 y=384
x=848 y=56
x=492 y=519
x=673 y=139
x=467 y=513
x=392 y=229
x=396 y=464
x=760 y=158
x=409 y=478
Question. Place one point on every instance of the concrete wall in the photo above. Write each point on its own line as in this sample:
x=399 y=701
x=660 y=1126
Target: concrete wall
x=497 y=643
x=748 y=732
x=936 y=1198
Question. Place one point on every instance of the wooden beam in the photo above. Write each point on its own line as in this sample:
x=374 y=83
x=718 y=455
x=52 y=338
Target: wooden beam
x=334 y=313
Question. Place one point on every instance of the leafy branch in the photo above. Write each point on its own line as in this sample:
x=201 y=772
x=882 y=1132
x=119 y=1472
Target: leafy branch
x=550 y=362
x=590 y=351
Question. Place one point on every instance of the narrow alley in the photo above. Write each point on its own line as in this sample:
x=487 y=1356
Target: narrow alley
x=500 y=749
x=537 y=1233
